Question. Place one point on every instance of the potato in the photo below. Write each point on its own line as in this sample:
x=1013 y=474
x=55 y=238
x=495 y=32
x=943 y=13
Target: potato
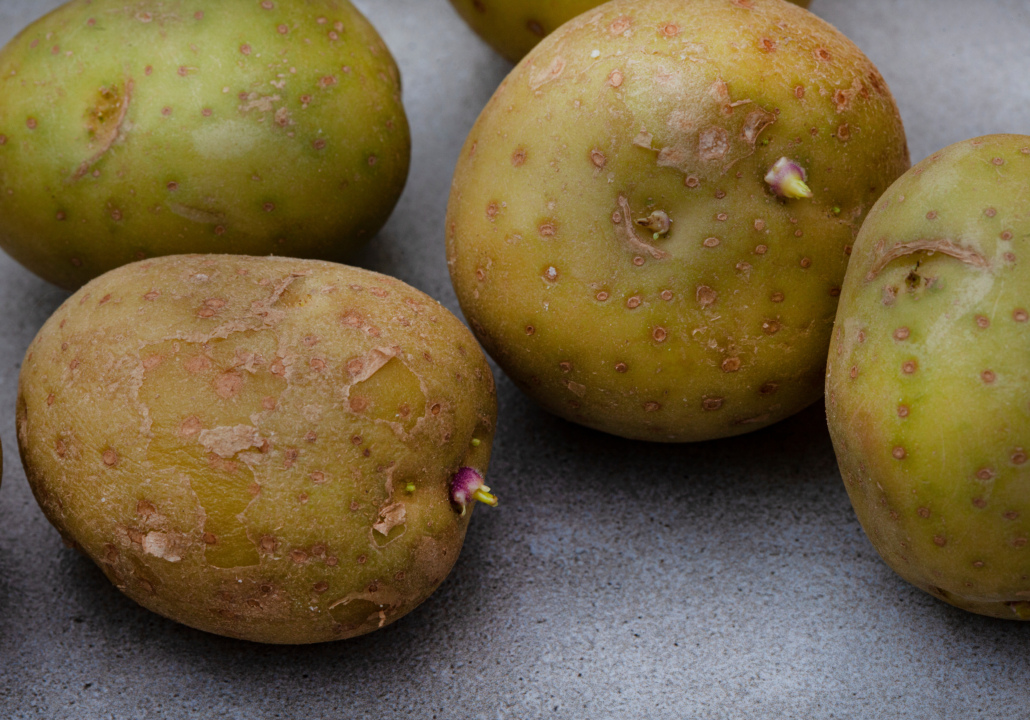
x=159 y=127
x=514 y=27
x=927 y=381
x=259 y=448
x=629 y=233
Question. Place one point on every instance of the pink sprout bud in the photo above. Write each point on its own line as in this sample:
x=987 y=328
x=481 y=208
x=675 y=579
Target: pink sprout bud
x=467 y=485
x=787 y=179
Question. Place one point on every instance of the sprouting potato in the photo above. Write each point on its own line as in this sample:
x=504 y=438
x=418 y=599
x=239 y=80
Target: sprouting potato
x=272 y=449
x=650 y=222
x=161 y=127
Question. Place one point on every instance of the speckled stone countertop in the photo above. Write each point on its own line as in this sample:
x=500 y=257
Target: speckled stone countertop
x=616 y=580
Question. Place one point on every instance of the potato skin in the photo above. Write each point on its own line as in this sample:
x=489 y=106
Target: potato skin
x=514 y=27
x=720 y=327
x=161 y=127
x=232 y=440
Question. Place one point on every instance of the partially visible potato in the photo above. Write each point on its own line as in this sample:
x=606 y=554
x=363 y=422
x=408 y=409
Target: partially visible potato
x=161 y=127
x=514 y=27
x=927 y=380
x=260 y=448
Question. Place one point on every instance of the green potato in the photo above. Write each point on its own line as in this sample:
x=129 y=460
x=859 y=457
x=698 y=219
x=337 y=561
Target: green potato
x=514 y=27
x=162 y=127
x=271 y=449
x=928 y=385
x=625 y=235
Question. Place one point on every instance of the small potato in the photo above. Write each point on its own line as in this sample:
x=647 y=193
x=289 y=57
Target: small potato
x=271 y=449
x=162 y=127
x=514 y=27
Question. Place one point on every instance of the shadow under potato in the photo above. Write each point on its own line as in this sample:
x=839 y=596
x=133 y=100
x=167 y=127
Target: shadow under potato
x=531 y=439
x=118 y=627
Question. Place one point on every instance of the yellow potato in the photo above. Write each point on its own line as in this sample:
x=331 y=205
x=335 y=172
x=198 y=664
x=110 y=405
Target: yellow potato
x=629 y=231
x=162 y=127
x=262 y=448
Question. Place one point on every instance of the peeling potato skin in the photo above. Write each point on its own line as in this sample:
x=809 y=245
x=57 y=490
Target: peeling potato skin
x=928 y=385
x=231 y=439
x=514 y=27
x=720 y=327
x=160 y=127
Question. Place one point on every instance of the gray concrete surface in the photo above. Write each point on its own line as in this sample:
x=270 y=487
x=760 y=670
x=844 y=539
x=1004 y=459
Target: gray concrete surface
x=616 y=580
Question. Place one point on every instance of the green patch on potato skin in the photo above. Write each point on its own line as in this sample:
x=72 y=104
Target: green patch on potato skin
x=715 y=321
x=514 y=27
x=173 y=126
x=928 y=385
x=260 y=448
